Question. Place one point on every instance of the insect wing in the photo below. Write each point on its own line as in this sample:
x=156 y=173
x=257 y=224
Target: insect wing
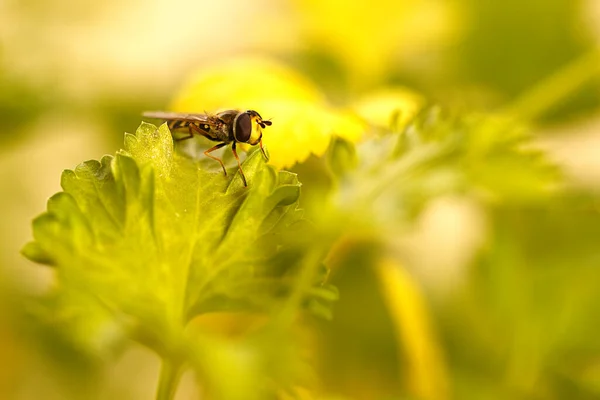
x=173 y=116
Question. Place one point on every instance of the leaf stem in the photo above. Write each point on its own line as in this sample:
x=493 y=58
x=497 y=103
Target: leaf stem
x=310 y=266
x=170 y=372
x=551 y=90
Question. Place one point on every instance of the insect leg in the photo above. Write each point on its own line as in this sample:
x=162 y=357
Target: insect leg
x=216 y=158
x=263 y=150
x=239 y=164
x=185 y=137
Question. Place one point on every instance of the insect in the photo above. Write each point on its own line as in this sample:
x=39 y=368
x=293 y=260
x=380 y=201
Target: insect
x=230 y=126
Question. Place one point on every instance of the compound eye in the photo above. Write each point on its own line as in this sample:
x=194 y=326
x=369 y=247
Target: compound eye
x=242 y=127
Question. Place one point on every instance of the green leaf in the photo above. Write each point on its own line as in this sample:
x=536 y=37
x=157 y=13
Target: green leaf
x=396 y=175
x=147 y=240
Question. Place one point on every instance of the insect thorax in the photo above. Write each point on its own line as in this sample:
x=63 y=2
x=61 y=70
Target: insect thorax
x=214 y=128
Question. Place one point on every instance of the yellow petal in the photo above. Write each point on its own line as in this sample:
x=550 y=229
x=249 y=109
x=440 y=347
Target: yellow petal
x=303 y=122
x=427 y=373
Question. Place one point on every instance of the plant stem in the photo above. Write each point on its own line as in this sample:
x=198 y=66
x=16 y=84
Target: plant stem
x=551 y=90
x=170 y=372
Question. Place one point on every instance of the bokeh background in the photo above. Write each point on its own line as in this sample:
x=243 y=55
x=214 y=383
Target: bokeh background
x=74 y=76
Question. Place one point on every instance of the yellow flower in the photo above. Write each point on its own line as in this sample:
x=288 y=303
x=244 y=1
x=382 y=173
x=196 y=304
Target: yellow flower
x=303 y=121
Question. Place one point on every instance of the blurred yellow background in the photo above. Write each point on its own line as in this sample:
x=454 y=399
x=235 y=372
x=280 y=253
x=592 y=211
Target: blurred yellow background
x=74 y=76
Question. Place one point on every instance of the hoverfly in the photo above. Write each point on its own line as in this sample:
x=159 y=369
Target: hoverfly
x=231 y=126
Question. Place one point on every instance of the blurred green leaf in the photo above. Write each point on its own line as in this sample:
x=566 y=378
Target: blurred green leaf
x=396 y=175
x=341 y=156
x=524 y=315
x=377 y=200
